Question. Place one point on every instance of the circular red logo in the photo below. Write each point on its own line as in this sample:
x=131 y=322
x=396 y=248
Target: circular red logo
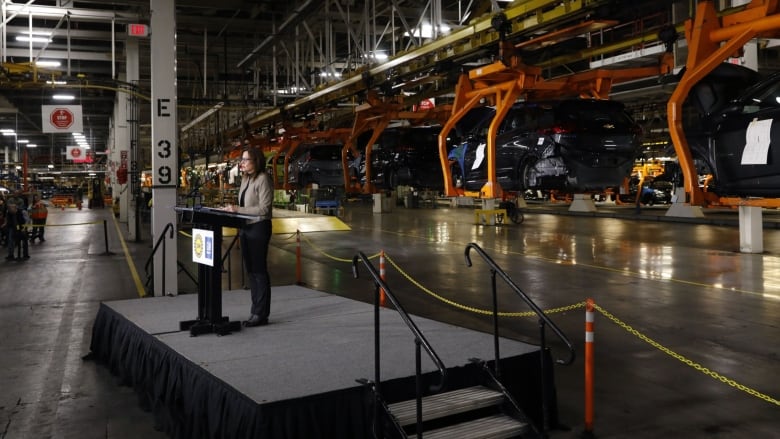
x=75 y=153
x=426 y=105
x=61 y=118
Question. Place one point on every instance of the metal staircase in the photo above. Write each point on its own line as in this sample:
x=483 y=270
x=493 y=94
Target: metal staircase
x=481 y=407
x=476 y=400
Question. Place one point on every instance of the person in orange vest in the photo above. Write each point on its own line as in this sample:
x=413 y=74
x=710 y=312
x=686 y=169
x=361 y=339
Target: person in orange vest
x=38 y=215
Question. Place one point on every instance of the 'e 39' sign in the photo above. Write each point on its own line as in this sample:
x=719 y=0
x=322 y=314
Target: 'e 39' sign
x=164 y=150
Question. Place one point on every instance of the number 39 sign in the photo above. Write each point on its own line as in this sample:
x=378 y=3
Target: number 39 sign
x=164 y=163
x=164 y=128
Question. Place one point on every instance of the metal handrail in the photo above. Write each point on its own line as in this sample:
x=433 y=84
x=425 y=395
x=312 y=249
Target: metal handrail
x=543 y=320
x=494 y=268
x=419 y=340
x=160 y=240
x=227 y=256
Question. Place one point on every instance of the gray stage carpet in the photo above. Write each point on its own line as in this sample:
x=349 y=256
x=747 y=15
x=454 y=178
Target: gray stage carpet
x=315 y=343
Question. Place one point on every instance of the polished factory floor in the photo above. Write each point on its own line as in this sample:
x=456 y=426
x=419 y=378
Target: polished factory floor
x=686 y=336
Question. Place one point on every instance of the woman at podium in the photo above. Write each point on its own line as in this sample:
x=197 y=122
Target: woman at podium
x=255 y=197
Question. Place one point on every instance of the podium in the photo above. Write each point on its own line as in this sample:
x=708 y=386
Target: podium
x=210 y=318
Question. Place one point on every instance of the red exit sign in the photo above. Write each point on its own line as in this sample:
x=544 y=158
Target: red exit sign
x=137 y=30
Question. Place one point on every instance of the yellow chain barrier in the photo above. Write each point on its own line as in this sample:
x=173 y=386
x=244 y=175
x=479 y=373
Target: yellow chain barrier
x=291 y=236
x=324 y=253
x=478 y=310
x=574 y=306
x=685 y=360
x=63 y=225
x=182 y=232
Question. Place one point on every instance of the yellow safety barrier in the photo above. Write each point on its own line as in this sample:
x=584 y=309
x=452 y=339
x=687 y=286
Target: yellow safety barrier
x=571 y=307
x=685 y=360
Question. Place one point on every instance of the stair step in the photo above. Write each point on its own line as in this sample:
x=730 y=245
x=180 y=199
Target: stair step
x=446 y=404
x=491 y=427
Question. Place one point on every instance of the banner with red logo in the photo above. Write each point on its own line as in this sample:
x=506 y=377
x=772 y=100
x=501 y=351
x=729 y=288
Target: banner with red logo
x=61 y=119
x=425 y=105
x=78 y=154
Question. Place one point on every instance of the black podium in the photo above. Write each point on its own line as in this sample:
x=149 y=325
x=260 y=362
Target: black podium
x=210 y=318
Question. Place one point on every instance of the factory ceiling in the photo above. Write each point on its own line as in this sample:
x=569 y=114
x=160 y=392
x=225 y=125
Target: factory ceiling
x=249 y=57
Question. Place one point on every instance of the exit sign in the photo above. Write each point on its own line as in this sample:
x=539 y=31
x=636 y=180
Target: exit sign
x=137 y=30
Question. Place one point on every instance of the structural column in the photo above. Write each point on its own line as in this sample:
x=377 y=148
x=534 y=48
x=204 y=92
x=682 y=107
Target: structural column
x=164 y=148
x=119 y=149
x=131 y=194
x=751 y=229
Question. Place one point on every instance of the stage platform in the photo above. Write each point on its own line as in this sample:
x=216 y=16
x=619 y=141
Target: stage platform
x=294 y=378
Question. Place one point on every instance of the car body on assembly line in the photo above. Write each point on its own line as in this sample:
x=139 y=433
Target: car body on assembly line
x=735 y=131
x=403 y=155
x=316 y=163
x=572 y=145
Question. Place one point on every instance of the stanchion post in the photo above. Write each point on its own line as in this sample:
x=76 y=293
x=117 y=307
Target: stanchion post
x=382 y=276
x=298 y=280
x=105 y=237
x=589 y=320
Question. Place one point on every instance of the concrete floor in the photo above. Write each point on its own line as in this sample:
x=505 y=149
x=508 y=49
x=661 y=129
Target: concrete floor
x=680 y=290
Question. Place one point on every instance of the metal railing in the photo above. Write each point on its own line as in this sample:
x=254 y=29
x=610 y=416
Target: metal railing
x=148 y=265
x=543 y=322
x=419 y=341
x=229 y=258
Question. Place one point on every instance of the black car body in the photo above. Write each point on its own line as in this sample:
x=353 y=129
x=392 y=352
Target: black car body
x=403 y=156
x=735 y=132
x=573 y=145
x=318 y=163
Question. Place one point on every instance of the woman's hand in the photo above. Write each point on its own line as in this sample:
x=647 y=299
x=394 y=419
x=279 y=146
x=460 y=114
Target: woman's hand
x=230 y=208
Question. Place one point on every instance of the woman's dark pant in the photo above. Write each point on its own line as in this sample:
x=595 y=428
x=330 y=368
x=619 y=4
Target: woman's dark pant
x=255 y=239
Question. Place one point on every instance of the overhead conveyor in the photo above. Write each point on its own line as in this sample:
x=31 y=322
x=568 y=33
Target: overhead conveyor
x=375 y=115
x=523 y=19
x=503 y=82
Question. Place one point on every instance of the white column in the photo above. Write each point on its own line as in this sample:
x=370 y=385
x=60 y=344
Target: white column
x=751 y=229
x=119 y=151
x=128 y=198
x=165 y=170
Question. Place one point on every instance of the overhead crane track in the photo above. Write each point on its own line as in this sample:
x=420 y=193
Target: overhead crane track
x=524 y=18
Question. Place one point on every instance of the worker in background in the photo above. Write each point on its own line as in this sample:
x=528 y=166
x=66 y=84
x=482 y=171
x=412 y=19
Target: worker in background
x=16 y=221
x=38 y=214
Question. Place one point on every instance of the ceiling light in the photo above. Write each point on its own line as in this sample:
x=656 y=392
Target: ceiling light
x=426 y=30
x=32 y=145
x=47 y=63
x=56 y=82
x=50 y=166
x=63 y=97
x=22 y=141
x=8 y=132
x=25 y=38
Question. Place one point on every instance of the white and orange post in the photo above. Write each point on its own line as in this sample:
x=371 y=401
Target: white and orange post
x=589 y=320
x=382 y=273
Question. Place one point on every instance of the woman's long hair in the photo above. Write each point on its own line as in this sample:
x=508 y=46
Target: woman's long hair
x=257 y=158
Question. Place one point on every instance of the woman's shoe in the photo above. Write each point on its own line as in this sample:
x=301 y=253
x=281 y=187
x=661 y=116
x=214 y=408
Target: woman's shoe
x=255 y=320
